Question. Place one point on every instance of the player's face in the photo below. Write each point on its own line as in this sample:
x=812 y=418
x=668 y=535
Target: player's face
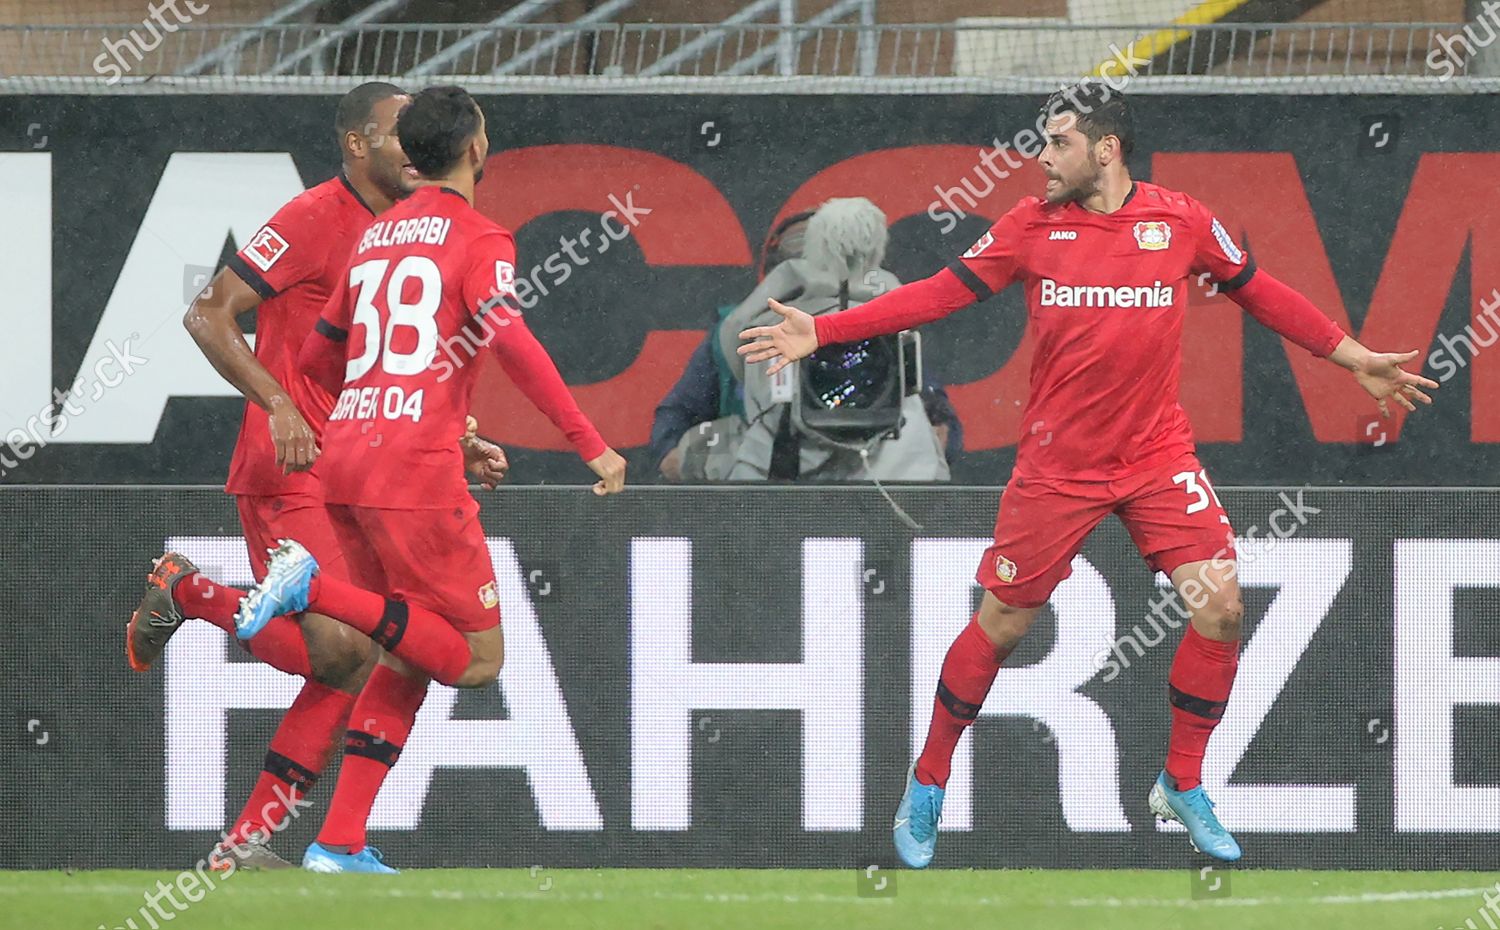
x=1073 y=171
x=388 y=166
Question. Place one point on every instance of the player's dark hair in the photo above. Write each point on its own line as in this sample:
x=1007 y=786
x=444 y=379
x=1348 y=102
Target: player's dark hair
x=356 y=106
x=435 y=127
x=1099 y=110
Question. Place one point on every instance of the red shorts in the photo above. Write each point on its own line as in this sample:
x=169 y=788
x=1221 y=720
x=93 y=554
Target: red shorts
x=435 y=559
x=1172 y=513
x=302 y=517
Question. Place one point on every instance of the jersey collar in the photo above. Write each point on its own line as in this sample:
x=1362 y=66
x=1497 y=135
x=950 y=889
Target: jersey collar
x=1129 y=196
x=344 y=179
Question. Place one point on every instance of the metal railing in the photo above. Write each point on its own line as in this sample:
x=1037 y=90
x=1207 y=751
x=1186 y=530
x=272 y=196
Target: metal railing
x=598 y=54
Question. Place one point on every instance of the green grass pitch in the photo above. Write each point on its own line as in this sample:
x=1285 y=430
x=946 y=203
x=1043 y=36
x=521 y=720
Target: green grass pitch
x=759 y=899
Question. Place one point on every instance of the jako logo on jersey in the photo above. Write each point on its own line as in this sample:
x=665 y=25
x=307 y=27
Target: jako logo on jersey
x=1005 y=569
x=1153 y=235
x=980 y=246
x=1084 y=295
x=488 y=599
x=1063 y=234
x=1227 y=244
x=266 y=248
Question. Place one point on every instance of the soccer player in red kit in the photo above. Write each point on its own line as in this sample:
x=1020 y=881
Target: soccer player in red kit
x=429 y=285
x=1103 y=260
x=284 y=275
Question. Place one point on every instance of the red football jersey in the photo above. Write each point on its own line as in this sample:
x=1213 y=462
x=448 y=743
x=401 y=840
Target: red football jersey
x=1105 y=297
x=294 y=263
x=429 y=286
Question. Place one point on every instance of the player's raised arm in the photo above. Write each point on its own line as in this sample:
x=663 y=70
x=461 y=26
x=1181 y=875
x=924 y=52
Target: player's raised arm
x=987 y=268
x=212 y=321
x=1291 y=315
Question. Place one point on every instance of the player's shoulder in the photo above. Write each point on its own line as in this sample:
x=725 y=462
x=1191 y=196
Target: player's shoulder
x=1176 y=203
x=318 y=203
x=483 y=232
x=1028 y=212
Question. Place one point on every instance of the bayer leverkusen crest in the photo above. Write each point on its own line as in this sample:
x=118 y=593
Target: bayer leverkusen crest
x=1153 y=235
x=1005 y=569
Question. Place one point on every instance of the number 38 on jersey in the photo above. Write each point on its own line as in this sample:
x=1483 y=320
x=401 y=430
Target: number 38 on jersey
x=396 y=312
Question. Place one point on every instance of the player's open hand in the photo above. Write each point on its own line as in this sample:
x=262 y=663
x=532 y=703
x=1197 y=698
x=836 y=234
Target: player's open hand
x=610 y=468
x=483 y=460
x=1381 y=374
x=296 y=444
x=793 y=338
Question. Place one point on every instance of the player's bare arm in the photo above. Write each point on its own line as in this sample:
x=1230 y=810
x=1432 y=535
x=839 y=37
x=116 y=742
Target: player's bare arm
x=1381 y=374
x=213 y=322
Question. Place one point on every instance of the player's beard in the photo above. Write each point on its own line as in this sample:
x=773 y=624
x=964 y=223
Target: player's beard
x=1082 y=190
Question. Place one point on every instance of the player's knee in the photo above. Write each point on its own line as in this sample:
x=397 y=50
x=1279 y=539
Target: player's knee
x=1003 y=623
x=486 y=657
x=1219 y=617
x=480 y=673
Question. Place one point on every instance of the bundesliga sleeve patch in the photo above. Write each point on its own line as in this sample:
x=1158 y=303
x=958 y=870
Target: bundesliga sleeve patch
x=1226 y=243
x=505 y=279
x=978 y=248
x=266 y=248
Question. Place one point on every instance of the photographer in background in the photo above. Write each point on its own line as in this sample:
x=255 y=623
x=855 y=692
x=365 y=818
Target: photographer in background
x=708 y=395
x=851 y=413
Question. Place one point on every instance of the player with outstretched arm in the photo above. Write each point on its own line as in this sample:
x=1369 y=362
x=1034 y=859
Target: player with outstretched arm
x=1103 y=260
x=429 y=286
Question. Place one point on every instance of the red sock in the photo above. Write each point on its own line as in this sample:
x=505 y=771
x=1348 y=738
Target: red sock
x=299 y=751
x=384 y=711
x=279 y=645
x=1198 y=687
x=968 y=671
x=198 y=595
x=414 y=634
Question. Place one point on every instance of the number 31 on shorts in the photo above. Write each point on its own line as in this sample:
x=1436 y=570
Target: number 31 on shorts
x=1197 y=487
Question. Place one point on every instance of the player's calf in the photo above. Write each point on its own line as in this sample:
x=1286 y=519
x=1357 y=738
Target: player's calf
x=340 y=656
